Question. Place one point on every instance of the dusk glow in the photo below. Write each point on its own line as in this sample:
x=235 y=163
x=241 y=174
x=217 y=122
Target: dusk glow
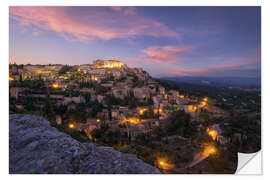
x=133 y=90
x=164 y=41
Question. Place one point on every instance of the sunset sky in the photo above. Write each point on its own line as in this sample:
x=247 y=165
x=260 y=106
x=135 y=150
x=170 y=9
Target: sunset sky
x=165 y=41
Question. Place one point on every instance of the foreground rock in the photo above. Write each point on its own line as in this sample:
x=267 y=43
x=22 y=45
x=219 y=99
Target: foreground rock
x=36 y=147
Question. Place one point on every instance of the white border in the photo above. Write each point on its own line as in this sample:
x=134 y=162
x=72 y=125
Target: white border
x=4 y=74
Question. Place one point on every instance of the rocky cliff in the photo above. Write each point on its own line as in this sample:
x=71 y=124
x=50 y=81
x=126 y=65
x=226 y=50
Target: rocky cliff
x=36 y=147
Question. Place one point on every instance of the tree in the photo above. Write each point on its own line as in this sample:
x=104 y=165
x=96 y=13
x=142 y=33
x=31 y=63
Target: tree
x=64 y=69
x=96 y=107
x=99 y=133
x=20 y=78
x=48 y=109
x=113 y=137
x=158 y=131
x=150 y=100
x=180 y=123
x=130 y=100
x=79 y=135
x=87 y=97
x=142 y=138
x=204 y=116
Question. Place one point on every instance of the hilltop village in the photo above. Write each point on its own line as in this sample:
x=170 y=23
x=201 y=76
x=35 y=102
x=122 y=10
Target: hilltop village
x=109 y=103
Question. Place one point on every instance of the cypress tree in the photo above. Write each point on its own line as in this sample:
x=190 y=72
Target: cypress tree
x=48 y=109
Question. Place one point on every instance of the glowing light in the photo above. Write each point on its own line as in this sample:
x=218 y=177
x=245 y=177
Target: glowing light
x=98 y=120
x=209 y=150
x=205 y=99
x=212 y=133
x=192 y=108
x=165 y=96
x=163 y=163
x=113 y=65
x=181 y=96
x=132 y=120
x=94 y=78
x=142 y=111
x=71 y=125
x=11 y=78
x=202 y=104
x=212 y=150
x=55 y=85
x=160 y=110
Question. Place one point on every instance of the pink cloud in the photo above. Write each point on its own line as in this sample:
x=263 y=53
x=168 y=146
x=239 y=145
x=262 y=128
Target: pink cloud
x=124 y=10
x=162 y=54
x=85 y=24
x=116 y=8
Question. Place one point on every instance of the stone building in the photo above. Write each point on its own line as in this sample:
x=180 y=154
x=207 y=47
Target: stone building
x=108 y=64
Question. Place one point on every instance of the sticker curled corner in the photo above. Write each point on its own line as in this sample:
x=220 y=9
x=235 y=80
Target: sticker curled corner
x=249 y=163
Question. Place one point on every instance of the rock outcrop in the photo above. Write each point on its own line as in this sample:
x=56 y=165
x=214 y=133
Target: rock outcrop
x=36 y=147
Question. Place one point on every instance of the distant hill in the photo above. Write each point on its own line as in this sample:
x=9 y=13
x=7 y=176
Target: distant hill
x=218 y=81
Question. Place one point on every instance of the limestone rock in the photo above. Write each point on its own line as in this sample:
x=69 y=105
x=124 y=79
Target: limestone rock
x=36 y=147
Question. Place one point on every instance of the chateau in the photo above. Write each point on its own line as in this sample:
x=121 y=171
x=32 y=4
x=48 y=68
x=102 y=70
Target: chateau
x=112 y=63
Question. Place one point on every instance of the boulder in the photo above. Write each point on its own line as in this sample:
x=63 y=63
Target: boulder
x=37 y=148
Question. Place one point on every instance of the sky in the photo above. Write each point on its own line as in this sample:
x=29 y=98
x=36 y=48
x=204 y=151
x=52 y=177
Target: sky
x=164 y=41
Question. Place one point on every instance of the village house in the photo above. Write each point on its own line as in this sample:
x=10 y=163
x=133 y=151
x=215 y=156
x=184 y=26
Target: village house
x=58 y=120
x=142 y=93
x=71 y=106
x=15 y=92
x=79 y=99
x=107 y=84
x=100 y=98
x=161 y=90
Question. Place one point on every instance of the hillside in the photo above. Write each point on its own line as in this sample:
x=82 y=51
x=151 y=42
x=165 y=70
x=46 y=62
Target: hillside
x=243 y=82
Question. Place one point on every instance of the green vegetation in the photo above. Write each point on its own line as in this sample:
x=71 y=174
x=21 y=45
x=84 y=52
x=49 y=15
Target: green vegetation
x=78 y=135
x=178 y=136
x=105 y=136
x=65 y=69
x=249 y=127
x=48 y=110
x=143 y=138
x=179 y=123
x=34 y=85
